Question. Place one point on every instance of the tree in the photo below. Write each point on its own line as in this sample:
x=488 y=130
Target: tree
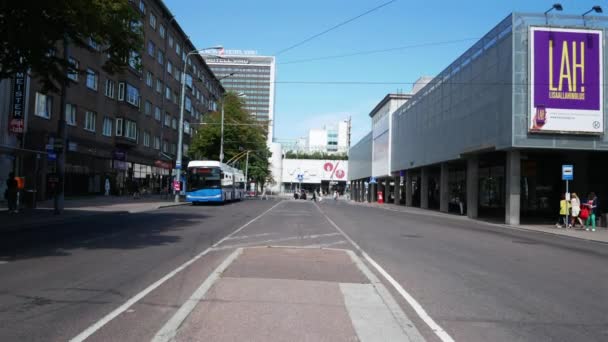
x=241 y=132
x=32 y=31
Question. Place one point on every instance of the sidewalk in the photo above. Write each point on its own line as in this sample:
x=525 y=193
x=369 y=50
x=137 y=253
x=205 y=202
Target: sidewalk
x=290 y=294
x=600 y=235
x=81 y=207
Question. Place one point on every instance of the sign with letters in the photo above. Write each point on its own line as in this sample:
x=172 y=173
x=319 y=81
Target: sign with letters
x=567 y=172
x=18 y=109
x=566 y=71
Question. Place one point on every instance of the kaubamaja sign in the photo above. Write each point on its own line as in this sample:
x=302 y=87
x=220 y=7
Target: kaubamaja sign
x=566 y=68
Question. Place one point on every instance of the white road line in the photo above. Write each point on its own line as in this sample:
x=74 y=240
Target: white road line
x=266 y=242
x=438 y=330
x=107 y=318
x=3 y=262
x=169 y=330
x=240 y=237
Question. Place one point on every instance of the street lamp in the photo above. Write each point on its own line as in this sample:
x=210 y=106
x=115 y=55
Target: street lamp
x=240 y=94
x=557 y=7
x=180 y=136
x=596 y=9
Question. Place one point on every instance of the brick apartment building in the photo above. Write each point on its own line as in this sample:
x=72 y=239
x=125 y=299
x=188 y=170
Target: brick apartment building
x=121 y=127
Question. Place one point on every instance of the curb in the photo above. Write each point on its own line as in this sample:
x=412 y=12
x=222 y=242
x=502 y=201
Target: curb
x=465 y=218
x=172 y=205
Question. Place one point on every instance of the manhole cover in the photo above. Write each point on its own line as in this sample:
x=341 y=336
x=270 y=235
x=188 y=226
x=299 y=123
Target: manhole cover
x=526 y=242
x=410 y=236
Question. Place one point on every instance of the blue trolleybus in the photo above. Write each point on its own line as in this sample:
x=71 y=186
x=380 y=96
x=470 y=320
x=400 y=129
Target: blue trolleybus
x=212 y=181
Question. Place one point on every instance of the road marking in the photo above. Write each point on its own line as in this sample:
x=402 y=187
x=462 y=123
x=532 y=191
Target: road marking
x=3 y=262
x=248 y=236
x=436 y=328
x=169 y=330
x=107 y=318
x=371 y=318
x=266 y=242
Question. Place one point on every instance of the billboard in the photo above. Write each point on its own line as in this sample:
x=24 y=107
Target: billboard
x=314 y=171
x=566 y=68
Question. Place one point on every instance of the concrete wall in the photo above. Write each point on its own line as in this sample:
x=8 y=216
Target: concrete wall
x=359 y=158
x=467 y=107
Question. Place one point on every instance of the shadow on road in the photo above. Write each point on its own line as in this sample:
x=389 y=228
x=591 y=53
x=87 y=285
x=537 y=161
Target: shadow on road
x=112 y=230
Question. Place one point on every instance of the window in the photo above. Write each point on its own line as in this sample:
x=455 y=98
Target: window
x=188 y=80
x=168 y=93
x=152 y=20
x=157 y=143
x=169 y=67
x=132 y=95
x=167 y=120
x=156 y=113
x=107 y=126
x=109 y=90
x=170 y=41
x=159 y=86
x=151 y=48
x=175 y=96
x=73 y=69
x=173 y=123
x=92 y=78
x=136 y=26
x=177 y=49
x=187 y=127
x=146 y=139
x=44 y=104
x=70 y=114
x=165 y=146
x=185 y=149
x=162 y=31
x=148 y=108
x=149 y=79
x=176 y=74
x=130 y=129
x=118 y=127
x=173 y=148
x=188 y=105
x=142 y=6
x=93 y=44
x=121 y=91
x=160 y=57
x=184 y=56
x=89 y=121
x=135 y=60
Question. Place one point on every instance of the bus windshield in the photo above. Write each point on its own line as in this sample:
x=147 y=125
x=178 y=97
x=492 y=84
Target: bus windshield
x=203 y=178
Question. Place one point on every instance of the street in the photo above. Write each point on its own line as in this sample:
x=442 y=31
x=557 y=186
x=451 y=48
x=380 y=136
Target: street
x=478 y=282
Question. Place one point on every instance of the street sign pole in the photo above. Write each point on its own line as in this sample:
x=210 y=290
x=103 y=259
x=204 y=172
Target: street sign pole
x=567 y=175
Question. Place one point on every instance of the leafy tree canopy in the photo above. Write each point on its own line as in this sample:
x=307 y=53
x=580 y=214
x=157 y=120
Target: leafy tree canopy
x=241 y=133
x=32 y=32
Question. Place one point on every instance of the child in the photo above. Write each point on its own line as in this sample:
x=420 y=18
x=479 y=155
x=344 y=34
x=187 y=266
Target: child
x=564 y=208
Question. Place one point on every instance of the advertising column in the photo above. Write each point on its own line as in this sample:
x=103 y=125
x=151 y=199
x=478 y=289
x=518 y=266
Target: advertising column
x=566 y=68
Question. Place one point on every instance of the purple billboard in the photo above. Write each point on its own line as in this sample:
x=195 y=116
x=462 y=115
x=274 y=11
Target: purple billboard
x=566 y=74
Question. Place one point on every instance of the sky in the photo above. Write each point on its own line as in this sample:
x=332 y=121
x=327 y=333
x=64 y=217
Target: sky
x=434 y=33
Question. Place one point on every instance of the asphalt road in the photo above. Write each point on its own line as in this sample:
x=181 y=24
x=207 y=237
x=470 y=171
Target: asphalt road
x=477 y=281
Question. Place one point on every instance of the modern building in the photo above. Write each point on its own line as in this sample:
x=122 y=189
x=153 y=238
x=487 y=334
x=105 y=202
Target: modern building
x=123 y=127
x=329 y=139
x=490 y=134
x=243 y=71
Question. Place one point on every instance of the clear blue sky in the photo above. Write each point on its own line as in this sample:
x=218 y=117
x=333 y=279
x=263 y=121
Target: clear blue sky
x=269 y=26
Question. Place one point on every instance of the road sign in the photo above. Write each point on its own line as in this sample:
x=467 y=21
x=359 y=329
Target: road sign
x=178 y=166
x=567 y=172
x=372 y=180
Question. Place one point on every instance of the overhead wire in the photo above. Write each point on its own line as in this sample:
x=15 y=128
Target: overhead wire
x=333 y=28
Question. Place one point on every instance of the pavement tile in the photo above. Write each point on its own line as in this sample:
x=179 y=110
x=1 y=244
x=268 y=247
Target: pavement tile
x=239 y=309
x=296 y=263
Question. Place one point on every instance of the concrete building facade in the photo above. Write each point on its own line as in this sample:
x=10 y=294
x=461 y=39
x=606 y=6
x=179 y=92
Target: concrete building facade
x=488 y=136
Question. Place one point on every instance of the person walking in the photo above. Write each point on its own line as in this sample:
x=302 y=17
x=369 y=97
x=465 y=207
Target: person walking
x=563 y=212
x=592 y=204
x=314 y=195
x=335 y=195
x=575 y=204
x=11 y=193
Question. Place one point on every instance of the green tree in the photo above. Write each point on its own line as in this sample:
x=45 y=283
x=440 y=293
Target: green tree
x=241 y=132
x=32 y=32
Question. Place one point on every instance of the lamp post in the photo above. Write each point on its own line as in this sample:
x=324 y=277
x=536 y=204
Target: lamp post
x=180 y=135
x=557 y=7
x=596 y=9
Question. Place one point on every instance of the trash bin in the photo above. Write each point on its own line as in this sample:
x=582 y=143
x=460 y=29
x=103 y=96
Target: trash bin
x=29 y=198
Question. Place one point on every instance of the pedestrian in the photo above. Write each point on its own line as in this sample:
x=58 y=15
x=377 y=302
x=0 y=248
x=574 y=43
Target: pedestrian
x=592 y=204
x=563 y=212
x=575 y=203
x=135 y=190
x=314 y=195
x=335 y=195
x=11 y=193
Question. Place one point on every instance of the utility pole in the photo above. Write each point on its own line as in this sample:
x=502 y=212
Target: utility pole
x=247 y=172
x=62 y=134
x=222 y=133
